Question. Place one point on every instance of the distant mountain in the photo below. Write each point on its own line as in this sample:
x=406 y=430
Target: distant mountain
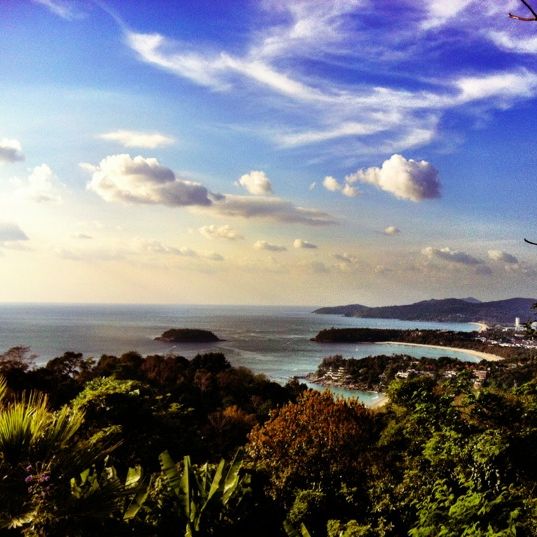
x=463 y=310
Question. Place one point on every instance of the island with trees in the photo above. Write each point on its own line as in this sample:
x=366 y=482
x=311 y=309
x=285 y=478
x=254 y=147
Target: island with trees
x=188 y=335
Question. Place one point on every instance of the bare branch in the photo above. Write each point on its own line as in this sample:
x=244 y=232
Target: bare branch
x=529 y=242
x=528 y=19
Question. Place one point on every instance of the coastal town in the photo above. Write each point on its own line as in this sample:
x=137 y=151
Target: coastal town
x=504 y=351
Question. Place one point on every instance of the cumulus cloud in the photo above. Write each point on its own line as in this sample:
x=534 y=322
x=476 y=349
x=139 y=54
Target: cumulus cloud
x=502 y=257
x=271 y=208
x=405 y=179
x=264 y=245
x=331 y=184
x=256 y=182
x=144 y=180
x=391 y=230
x=220 y=232
x=299 y=243
x=10 y=232
x=42 y=186
x=145 y=140
x=452 y=256
x=10 y=150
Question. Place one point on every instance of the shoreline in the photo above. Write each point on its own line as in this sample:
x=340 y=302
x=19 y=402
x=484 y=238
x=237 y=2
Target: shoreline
x=482 y=327
x=478 y=354
x=382 y=401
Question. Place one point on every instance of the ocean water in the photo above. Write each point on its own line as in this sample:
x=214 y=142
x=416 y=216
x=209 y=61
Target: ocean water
x=274 y=340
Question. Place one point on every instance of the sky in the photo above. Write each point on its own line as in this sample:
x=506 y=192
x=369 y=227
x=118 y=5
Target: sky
x=313 y=152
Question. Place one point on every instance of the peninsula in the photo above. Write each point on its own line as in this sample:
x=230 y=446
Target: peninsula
x=188 y=335
x=462 y=310
x=469 y=341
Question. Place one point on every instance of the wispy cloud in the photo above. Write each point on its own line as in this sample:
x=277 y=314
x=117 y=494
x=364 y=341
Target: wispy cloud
x=146 y=140
x=392 y=117
x=271 y=208
x=64 y=9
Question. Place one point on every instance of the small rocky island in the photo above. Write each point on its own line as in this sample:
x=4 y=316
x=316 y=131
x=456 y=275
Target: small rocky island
x=188 y=335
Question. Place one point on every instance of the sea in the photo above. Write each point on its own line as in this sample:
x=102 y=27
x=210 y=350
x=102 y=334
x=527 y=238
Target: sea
x=272 y=340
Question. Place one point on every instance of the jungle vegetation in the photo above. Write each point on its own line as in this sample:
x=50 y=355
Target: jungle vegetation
x=162 y=446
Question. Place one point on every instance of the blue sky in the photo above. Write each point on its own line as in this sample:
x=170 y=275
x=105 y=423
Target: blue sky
x=313 y=152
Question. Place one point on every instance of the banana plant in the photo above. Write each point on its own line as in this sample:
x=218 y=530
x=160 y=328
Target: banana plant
x=204 y=492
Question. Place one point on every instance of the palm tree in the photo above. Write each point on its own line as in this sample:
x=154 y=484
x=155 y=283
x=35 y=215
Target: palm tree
x=51 y=481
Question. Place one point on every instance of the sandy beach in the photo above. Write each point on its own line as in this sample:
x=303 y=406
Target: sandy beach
x=382 y=400
x=481 y=326
x=478 y=354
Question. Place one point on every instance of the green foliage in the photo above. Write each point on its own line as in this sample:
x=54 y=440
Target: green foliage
x=204 y=493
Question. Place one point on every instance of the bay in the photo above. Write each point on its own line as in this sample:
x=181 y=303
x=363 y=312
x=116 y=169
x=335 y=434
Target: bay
x=273 y=340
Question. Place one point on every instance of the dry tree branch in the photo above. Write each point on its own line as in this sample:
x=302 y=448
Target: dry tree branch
x=528 y=19
x=529 y=242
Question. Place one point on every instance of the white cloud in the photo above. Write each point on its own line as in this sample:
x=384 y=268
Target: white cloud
x=220 y=232
x=10 y=150
x=350 y=191
x=506 y=41
x=144 y=180
x=331 y=184
x=440 y=11
x=388 y=118
x=42 y=186
x=350 y=128
x=264 y=245
x=157 y=50
x=510 y=85
x=256 y=183
x=452 y=256
x=405 y=179
x=391 y=230
x=10 y=232
x=157 y=247
x=299 y=243
x=60 y=7
x=271 y=208
x=145 y=140
x=503 y=257
x=81 y=236
x=346 y=258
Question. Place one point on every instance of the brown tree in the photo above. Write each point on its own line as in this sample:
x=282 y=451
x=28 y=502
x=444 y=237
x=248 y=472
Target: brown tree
x=315 y=443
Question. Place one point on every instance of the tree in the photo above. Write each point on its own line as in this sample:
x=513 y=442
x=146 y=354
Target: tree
x=318 y=444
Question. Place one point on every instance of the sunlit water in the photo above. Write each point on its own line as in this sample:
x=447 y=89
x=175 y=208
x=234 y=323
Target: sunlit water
x=272 y=340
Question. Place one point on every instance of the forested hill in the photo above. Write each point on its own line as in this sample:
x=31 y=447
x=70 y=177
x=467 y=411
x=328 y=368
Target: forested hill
x=445 y=310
